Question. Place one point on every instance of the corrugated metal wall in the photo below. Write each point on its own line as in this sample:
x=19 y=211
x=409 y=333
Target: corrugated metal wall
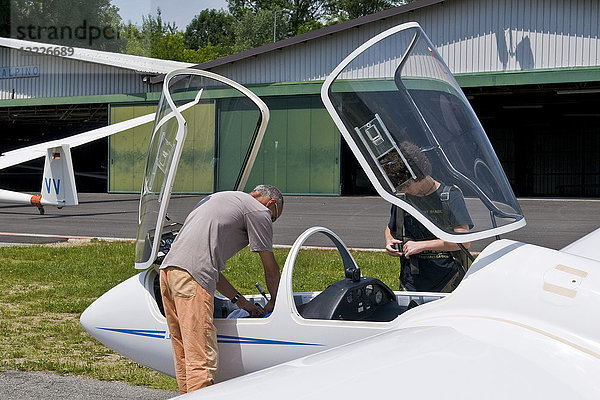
x=62 y=77
x=472 y=36
x=501 y=35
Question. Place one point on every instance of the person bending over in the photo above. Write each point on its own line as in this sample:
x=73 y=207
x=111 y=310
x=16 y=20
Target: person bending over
x=218 y=227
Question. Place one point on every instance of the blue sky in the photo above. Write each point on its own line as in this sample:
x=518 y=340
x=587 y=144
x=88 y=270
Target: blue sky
x=179 y=11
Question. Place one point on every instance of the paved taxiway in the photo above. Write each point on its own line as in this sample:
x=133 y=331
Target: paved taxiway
x=48 y=386
x=359 y=221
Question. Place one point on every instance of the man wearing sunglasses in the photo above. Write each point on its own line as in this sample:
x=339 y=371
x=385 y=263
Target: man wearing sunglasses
x=218 y=227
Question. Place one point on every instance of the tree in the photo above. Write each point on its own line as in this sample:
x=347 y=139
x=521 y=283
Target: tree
x=80 y=23
x=299 y=15
x=207 y=53
x=304 y=14
x=209 y=27
x=155 y=39
x=238 y=8
x=4 y=18
x=342 y=10
x=254 y=29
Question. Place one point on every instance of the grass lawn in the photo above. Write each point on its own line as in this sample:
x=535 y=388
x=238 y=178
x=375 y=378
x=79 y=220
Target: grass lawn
x=44 y=290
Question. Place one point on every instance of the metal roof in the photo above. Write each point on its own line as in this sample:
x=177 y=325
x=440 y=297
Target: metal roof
x=491 y=43
x=329 y=30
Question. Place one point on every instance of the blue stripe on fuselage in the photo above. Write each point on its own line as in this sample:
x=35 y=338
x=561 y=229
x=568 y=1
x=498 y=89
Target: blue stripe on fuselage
x=161 y=334
x=246 y=340
x=138 y=332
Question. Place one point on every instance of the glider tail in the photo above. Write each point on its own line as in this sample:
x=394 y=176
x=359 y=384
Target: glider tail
x=58 y=182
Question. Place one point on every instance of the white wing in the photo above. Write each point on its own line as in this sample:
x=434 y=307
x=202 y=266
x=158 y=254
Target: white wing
x=519 y=326
x=412 y=363
x=28 y=153
x=587 y=246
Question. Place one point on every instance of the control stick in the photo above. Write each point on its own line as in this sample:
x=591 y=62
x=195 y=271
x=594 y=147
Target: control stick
x=261 y=291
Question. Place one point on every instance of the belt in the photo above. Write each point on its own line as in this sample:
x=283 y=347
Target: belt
x=431 y=255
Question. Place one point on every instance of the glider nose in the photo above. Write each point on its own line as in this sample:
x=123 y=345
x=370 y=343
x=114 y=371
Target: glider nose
x=128 y=320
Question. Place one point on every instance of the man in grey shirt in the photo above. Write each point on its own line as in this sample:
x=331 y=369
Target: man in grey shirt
x=219 y=226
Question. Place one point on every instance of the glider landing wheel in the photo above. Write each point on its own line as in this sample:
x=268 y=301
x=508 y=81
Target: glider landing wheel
x=41 y=210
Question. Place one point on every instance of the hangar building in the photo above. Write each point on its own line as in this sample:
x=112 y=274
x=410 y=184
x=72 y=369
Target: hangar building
x=46 y=96
x=531 y=70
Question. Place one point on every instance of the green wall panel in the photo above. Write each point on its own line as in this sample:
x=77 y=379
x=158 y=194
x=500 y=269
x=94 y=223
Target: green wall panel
x=271 y=163
x=301 y=148
x=299 y=153
x=127 y=149
x=195 y=170
x=324 y=151
x=237 y=124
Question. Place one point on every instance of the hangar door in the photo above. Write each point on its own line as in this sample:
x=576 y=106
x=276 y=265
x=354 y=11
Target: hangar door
x=299 y=154
x=547 y=138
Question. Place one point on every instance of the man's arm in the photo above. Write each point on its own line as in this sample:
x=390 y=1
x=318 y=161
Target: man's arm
x=413 y=247
x=272 y=276
x=227 y=290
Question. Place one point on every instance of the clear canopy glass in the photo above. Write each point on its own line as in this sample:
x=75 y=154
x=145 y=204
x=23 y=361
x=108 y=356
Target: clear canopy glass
x=395 y=93
x=195 y=108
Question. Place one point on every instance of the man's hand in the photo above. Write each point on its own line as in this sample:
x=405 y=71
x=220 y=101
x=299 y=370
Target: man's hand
x=227 y=290
x=252 y=309
x=269 y=307
x=412 y=247
x=392 y=247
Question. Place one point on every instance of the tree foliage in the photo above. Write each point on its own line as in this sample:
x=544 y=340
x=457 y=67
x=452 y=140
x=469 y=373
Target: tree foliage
x=305 y=13
x=209 y=27
x=207 y=53
x=81 y=23
x=256 y=29
x=155 y=38
x=211 y=33
x=296 y=14
x=342 y=10
x=4 y=18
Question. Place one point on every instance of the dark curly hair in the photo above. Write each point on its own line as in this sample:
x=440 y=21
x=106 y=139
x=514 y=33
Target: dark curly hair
x=396 y=170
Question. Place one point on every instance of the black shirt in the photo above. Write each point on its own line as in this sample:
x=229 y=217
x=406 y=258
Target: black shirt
x=434 y=268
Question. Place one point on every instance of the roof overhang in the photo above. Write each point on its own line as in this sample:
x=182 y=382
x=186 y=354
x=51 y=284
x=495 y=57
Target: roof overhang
x=145 y=65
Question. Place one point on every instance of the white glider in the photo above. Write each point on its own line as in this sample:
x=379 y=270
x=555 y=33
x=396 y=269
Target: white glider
x=520 y=325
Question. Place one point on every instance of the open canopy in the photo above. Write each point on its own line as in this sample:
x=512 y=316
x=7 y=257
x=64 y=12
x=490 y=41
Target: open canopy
x=395 y=93
x=204 y=109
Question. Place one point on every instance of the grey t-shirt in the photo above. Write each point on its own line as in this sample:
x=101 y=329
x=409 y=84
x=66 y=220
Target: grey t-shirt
x=220 y=225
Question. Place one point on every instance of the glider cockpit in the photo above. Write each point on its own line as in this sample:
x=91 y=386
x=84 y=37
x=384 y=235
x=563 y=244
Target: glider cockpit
x=352 y=298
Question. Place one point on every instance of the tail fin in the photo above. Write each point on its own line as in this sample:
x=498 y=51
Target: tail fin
x=58 y=182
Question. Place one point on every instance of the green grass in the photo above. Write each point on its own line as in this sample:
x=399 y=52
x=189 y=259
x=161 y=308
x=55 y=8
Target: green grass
x=44 y=290
x=314 y=269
